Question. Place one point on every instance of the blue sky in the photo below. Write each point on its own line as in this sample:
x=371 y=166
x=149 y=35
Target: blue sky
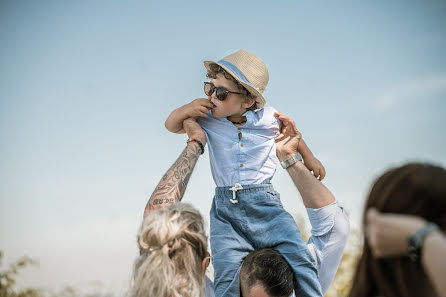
x=85 y=88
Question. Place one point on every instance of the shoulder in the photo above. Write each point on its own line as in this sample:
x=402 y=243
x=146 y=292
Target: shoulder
x=269 y=109
x=265 y=117
x=206 y=121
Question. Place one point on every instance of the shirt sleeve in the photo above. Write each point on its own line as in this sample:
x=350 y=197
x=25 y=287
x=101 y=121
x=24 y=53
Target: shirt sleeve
x=205 y=121
x=330 y=228
x=275 y=122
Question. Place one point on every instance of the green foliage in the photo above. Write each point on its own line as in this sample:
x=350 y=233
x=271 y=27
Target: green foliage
x=8 y=287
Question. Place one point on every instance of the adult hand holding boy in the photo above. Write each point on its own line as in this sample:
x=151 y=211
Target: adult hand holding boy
x=290 y=141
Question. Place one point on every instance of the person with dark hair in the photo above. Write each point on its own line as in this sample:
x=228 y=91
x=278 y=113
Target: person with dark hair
x=390 y=235
x=404 y=220
x=266 y=272
x=268 y=268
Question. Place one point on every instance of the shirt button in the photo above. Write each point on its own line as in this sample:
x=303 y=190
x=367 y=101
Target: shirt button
x=239 y=129
x=241 y=144
x=241 y=165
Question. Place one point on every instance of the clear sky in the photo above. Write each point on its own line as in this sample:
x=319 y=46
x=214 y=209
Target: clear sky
x=85 y=87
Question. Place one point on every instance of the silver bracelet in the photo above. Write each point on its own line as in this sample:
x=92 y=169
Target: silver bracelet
x=291 y=160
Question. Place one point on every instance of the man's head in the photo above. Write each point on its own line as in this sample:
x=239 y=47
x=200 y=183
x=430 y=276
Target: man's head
x=266 y=273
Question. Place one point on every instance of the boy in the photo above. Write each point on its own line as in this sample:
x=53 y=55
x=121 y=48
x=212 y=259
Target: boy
x=246 y=212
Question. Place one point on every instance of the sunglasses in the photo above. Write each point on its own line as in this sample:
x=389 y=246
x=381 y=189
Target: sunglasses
x=221 y=92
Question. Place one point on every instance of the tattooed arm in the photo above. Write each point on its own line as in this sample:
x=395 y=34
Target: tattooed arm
x=173 y=184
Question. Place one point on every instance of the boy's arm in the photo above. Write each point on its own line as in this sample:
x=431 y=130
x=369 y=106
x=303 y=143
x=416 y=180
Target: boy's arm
x=310 y=160
x=304 y=150
x=197 y=108
x=314 y=193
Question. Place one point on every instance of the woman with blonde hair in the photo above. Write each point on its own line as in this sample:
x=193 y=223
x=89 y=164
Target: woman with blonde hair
x=173 y=247
x=172 y=241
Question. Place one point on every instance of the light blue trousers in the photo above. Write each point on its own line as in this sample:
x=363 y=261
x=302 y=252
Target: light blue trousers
x=256 y=220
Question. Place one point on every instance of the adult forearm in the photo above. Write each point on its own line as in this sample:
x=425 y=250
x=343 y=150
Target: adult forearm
x=173 y=184
x=288 y=142
x=314 y=193
x=434 y=260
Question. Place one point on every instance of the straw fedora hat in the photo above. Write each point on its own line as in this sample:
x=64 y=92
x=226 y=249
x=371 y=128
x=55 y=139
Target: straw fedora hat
x=247 y=69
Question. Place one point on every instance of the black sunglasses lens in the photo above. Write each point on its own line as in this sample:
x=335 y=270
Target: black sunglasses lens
x=222 y=93
x=208 y=89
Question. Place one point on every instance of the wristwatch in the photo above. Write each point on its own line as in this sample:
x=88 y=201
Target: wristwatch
x=291 y=160
x=416 y=241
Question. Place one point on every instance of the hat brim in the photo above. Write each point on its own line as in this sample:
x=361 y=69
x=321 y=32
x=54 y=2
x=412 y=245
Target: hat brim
x=259 y=98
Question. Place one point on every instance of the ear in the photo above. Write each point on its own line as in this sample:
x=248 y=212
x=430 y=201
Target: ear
x=204 y=264
x=248 y=103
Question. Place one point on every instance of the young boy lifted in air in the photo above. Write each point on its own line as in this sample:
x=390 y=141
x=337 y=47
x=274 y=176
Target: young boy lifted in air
x=246 y=213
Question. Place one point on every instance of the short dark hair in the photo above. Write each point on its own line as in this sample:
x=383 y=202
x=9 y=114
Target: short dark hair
x=269 y=268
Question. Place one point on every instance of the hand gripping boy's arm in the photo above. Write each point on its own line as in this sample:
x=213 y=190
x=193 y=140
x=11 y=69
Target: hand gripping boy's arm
x=197 y=108
x=317 y=198
x=173 y=184
x=310 y=160
x=314 y=193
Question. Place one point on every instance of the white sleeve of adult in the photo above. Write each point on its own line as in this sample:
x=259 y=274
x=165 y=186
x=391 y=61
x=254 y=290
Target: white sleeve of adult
x=329 y=233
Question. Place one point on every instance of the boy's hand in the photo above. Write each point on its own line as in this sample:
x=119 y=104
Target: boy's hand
x=197 y=108
x=315 y=165
x=194 y=130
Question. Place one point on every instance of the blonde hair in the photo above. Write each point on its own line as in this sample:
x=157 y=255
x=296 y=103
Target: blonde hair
x=172 y=244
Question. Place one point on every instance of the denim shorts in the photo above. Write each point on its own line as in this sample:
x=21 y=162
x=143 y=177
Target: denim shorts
x=255 y=219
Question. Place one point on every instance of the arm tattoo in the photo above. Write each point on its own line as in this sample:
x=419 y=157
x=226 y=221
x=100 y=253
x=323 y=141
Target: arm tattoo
x=173 y=184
